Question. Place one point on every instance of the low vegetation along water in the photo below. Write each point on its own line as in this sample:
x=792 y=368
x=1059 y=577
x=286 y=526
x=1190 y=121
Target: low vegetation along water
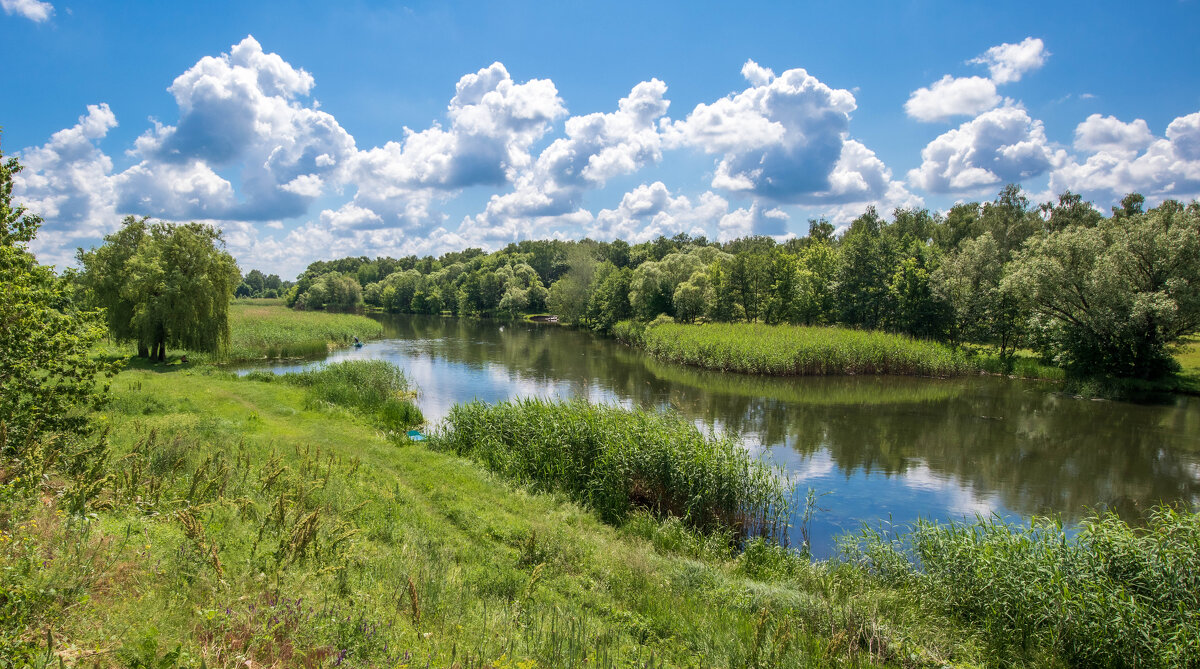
x=876 y=449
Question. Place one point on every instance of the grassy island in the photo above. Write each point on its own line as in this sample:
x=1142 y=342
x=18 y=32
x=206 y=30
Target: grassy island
x=792 y=350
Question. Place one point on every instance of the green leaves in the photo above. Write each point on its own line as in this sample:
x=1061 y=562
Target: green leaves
x=1110 y=299
x=163 y=284
x=48 y=381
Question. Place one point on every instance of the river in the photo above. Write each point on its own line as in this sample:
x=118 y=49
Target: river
x=875 y=449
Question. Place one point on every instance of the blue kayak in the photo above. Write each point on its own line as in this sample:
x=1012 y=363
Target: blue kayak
x=415 y=435
x=358 y=344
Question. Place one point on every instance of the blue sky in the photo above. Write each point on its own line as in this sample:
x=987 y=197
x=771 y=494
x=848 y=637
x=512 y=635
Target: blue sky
x=319 y=130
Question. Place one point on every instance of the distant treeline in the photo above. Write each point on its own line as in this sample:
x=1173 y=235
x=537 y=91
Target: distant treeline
x=1093 y=293
x=257 y=284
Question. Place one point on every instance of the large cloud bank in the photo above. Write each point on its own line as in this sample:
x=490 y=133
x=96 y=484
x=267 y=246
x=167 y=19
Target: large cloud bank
x=251 y=151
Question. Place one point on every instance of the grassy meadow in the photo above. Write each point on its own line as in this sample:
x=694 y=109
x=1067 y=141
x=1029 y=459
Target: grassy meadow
x=229 y=520
x=790 y=350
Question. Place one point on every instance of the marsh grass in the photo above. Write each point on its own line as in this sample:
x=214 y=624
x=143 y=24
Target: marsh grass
x=790 y=350
x=1113 y=595
x=274 y=331
x=616 y=460
x=375 y=388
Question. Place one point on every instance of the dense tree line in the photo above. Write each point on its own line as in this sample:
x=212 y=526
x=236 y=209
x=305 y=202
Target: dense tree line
x=1094 y=293
x=257 y=284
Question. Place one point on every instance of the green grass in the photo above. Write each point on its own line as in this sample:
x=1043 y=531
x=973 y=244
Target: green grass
x=271 y=330
x=229 y=520
x=788 y=350
x=375 y=388
x=276 y=521
x=825 y=391
x=616 y=460
x=1023 y=365
x=1188 y=357
x=1115 y=596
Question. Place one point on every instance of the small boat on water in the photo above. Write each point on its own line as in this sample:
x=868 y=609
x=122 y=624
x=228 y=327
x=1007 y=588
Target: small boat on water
x=358 y=344
x=415 y=435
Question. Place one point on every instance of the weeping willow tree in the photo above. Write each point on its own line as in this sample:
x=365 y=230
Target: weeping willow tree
x=163 y=285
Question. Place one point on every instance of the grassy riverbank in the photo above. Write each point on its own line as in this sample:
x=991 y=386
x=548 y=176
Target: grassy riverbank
x=268 y=329
x=789 y=350
x=230 y=519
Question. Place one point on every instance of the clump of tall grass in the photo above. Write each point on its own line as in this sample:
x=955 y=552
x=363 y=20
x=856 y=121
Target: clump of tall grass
x=376 y=388
x=1113 y=595
x=274 y=331
x=1019 y=365
x=788 y=350
x=616 y=460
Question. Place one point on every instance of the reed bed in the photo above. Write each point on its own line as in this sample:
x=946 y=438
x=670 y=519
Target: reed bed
x=790 y=350
x=375 y=388
x=616 y=460
x=274 y=331
x=1115 y=595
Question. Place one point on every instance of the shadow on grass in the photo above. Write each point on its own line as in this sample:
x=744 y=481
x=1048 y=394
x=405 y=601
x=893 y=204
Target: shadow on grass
x=173 y=363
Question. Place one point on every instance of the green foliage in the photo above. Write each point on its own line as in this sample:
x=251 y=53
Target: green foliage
x=798 y=350
x=1113 y=596
x=48 y=382
x=1111 y=299
x=331 y=291
x=616 y=460
x=163 y=285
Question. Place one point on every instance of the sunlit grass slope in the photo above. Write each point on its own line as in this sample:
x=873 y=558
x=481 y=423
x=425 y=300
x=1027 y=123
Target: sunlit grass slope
x=243 y=523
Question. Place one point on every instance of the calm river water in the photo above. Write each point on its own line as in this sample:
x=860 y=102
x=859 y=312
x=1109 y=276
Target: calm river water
x=874 y=448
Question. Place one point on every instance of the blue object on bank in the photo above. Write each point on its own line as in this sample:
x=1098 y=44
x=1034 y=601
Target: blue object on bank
x=415 y=435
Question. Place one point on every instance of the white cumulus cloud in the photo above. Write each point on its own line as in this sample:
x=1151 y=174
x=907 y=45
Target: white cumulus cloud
x=784 y=138
x=34 y=10
x=1009 y=62
x=952 y=96
x=1107 y=133
x=1126 y=158
x=596 y=148
x=648 y=211
x=68 y=181
x=757 y=220
x=1000 y=146
x=239 y=110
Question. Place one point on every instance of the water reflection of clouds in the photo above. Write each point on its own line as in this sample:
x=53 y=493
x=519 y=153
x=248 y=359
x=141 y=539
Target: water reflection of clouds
x=960 y=498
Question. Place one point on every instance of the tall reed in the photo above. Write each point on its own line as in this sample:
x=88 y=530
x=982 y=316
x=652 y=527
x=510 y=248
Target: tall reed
x=1115 y=595
x=376 y=388
x=796 y=350
x=615 y=460
x=274 y=331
